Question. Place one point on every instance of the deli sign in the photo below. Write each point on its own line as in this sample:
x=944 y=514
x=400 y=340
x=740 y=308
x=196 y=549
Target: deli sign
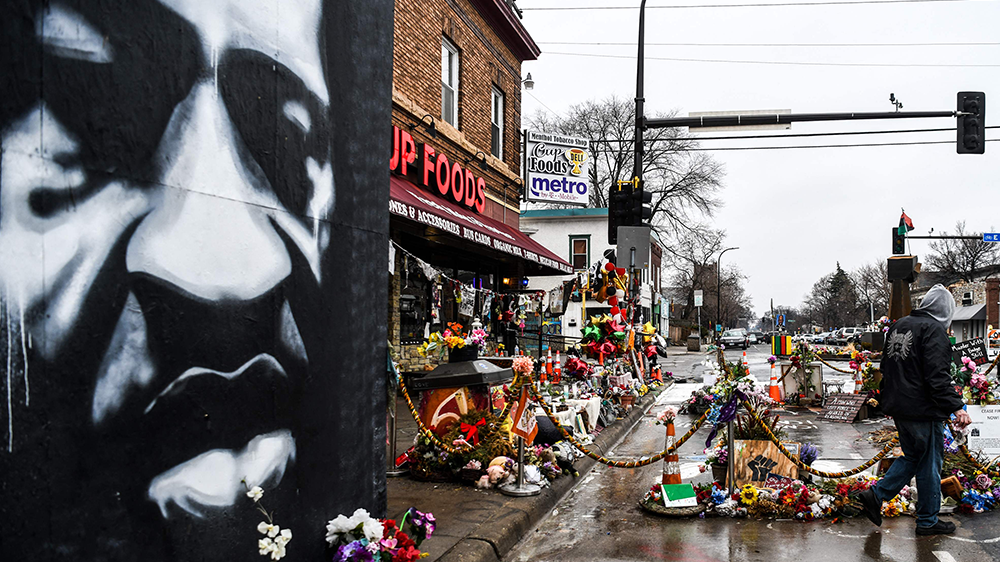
x=426 y=167
x=558 y=169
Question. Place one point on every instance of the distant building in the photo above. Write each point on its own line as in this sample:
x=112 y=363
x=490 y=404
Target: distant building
x=580 y=236
x=977 y=302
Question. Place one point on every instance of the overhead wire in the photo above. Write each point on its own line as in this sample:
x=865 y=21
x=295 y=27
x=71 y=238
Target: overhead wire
x=823 y=45
x=791 y=63
x=752 y=5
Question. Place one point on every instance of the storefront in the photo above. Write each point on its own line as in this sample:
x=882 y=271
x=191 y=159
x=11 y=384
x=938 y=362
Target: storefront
x=450 y=262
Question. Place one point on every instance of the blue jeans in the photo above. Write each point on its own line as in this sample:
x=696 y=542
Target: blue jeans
x=922 y=443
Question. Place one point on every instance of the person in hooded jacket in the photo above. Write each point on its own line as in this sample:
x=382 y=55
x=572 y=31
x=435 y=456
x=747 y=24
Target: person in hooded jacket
x=918 y=393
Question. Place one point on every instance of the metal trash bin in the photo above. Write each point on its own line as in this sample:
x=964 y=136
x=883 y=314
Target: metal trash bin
x=694 y=342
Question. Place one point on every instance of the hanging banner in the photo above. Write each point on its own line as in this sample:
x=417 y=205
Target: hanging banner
x=525 y=424
x=558 y=169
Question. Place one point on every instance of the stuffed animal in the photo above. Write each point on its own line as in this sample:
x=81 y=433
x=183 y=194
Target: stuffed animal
x=496 y=474
x=564 y=459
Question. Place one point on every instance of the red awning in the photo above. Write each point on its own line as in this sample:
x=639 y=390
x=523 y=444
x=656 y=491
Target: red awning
x=409 y=201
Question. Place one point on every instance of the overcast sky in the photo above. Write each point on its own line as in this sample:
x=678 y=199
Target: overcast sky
x=796 y=213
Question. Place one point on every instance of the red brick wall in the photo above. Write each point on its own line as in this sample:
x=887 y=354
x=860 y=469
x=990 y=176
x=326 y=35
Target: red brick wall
x=992 y=308
x=485 y=61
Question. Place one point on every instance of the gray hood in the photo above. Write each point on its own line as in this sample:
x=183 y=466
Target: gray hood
x=939 y=304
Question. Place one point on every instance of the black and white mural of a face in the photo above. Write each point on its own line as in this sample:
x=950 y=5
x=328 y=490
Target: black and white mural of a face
x=168 y=186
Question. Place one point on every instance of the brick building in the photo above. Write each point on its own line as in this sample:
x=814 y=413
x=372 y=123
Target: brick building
x=454 y=191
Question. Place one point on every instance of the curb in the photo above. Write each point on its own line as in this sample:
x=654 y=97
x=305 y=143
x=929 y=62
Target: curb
x=496 y=536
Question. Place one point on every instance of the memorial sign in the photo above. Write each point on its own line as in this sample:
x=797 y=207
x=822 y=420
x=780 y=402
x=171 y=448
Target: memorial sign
x=974 y=349
x=984 y=431
x=842 y=408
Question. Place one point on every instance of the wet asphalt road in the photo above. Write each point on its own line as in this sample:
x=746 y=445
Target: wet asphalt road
x=600 y=518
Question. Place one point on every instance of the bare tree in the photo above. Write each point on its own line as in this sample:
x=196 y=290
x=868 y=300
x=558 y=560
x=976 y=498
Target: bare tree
x=872 y=284
x=684 y=183
x=963 y=258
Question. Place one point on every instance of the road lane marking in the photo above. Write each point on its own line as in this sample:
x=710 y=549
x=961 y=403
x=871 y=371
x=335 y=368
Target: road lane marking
x=943 y=556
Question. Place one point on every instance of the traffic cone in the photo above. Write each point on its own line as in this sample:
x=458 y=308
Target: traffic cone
x=745 y=362
x=775 y=390
x=857 y=384
x=548 y=363
x=557 y=369
x=671 y=463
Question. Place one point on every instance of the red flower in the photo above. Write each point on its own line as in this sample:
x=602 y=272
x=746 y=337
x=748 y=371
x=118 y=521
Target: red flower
x=388 y=528
x=408 y=554
x=404 y=540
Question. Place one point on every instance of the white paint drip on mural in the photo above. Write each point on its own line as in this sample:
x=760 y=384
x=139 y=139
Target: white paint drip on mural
x=10 y=380
x=24 y=354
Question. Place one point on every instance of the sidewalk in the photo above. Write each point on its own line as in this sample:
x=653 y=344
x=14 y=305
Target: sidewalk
x=483 y=525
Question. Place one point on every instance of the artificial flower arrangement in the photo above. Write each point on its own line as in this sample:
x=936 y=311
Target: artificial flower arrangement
x=801 y=360
x=667 y=416
x=477 y=436
x=974 y=386
x=363 y=538
x=808 y=454
x=861 y=363
x=452 y=338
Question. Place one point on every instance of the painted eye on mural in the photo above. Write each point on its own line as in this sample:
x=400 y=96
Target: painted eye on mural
x=120 y=124
x=278 y=118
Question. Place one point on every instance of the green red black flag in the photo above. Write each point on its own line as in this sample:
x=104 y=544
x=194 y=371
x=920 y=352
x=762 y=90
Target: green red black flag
x=905 y=224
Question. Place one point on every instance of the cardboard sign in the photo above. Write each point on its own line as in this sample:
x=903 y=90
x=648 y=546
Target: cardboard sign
x=756 y=461
x=974 y=349
x=525 y=424
x=775 y=482
x=842 y=408
x=984 y=431
x=679 y=495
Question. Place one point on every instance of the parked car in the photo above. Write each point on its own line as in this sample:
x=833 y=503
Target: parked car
x=820 y=338
x=845 y=335
x=759 y=337
x=737 y=337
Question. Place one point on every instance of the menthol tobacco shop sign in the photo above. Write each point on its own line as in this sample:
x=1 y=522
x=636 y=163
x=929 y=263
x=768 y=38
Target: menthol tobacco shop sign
x=558 y=169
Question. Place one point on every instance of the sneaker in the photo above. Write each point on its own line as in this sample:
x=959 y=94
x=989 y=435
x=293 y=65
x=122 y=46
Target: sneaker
x=939 y=528
x=871 y=507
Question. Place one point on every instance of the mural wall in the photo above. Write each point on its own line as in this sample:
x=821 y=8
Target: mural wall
x=193 y=228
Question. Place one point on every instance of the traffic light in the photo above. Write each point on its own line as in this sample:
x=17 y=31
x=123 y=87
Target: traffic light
x=619 y=209
x=641 y=206
x=898 y=242
x=971 y=123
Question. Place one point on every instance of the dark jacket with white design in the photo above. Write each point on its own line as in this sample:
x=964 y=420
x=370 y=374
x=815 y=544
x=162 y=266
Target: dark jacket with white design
x=916 y=370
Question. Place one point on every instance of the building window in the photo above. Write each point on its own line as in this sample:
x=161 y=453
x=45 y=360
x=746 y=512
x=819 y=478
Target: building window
x=579 y=251
x=496 y=126
x=449 y=82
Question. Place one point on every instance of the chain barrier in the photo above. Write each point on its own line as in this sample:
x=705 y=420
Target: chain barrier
x=803 y=466
x=606 y=461
x=823 y=361
x=992 y=365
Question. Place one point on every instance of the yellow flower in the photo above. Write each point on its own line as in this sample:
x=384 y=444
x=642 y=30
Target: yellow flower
x=748 y=494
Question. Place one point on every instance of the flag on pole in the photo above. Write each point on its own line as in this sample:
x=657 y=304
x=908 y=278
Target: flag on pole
x=905 y=224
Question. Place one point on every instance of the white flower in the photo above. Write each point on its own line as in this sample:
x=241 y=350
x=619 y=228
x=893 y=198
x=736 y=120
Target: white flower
x=278 y=552
x=284 y=537
x=265 y=546
x=255 y=493
x=372 y=547
x=268 y=529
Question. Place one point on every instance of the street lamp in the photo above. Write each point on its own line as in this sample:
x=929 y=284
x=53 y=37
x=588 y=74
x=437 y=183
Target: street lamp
x=718 y=286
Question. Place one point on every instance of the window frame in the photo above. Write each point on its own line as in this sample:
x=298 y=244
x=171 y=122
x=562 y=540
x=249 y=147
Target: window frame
x=573 y=238
x=497 y=94
x=450 y=50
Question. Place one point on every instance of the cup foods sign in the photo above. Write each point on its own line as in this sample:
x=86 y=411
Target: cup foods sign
x=558 y=169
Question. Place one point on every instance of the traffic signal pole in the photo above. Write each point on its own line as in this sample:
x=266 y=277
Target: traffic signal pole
x=786 y=118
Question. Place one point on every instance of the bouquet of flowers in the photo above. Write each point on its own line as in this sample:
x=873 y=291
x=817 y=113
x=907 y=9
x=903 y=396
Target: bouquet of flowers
x=808 y=454
x=666 y=416
x=452 y=338
x=362 y=538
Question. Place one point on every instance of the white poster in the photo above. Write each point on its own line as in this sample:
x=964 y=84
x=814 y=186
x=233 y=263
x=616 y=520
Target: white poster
x=558 y=169
x=467 y=306
x=984 y=432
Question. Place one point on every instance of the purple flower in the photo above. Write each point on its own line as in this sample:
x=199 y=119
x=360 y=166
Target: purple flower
x=983 y=482
x=353 y=552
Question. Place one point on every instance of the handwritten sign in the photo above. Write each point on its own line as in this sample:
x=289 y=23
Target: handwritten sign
x=842 y=408
x=974 y=349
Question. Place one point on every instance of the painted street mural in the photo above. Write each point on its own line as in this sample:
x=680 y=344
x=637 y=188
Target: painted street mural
x=187 y=191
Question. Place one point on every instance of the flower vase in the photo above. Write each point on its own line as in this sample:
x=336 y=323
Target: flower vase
x=720 y=472
x=467 y=353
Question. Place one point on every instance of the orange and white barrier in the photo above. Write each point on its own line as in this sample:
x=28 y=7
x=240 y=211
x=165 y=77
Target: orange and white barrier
x=671 y=463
